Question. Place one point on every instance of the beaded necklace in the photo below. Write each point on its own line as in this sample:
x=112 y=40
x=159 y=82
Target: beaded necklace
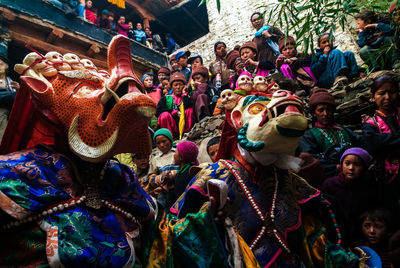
x=330 y=139
x=268 y=220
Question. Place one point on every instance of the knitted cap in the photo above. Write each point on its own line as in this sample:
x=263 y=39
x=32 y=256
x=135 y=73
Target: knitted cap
x=360 y=152
x=177 y=76
x=200 y=70
x=164 y=132
x=172 y=58
x=231 y=57
x=164 y=70
x=284 y=41
x=251 y=45
x=105 y=11
x=320 y=96
x=145 y=76
x=188 y=152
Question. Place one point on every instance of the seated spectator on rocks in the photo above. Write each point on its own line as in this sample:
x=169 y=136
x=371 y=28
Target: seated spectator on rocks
x=326 y=141
x=8 y=90
x=219 y=68
x=112 y=22
x=381 y=134
x=122 y=27
x=195 y=61
x=351 y=189
x=140 y=35
x=152 y=91
x=162 y=73
x=103 y=21
x=235 y=63
x=171 y=45
x=381 y=233
x=212 y=148
x=162 y=164
x=201 y=93
x=70 y=7
x=265 y=39
x=185 y=157
x=182 y=60
x=248 y=52
x=373 y=35
x=331 y=66
x=169 y=107
x=90 y=15
x=294 y=65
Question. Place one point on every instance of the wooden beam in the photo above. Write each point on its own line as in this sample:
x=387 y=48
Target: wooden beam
x=7 y=15
x=93 y=50
x=142 y=11
x=54 y=36
x=201 y=26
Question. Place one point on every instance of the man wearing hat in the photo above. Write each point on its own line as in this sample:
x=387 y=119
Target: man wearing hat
x=219 y=66
x=182 y=60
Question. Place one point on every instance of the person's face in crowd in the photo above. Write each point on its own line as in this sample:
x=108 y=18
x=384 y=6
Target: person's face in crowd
x=212 y=152
x=89 y=4
x=239 y=66
x=148 y=82
x=324 y=42
x=163 y=144
x=198 y=78
x=139 y=26
x=174 y=65
x=289 y=51
x=3 y=67
x=196 y=63
x=122 y=20
x=141 y=163
x=324 y=114
x=361 y=24
x=147 y=31
x=177 y=87
x=386 y=98
x=256 y=21
x=166 y=87
x=130 y=25
x=110 y=18
x=352 y=167
x=183 y=61
x=247 y=53
x=220 y=50
x=177 y=158
x=374 y=231
x=106 y=17
x=161 y=76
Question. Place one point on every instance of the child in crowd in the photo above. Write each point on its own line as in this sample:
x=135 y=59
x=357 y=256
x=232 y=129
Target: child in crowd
x=326 y=141
x=235 y=63
x=162 y=164
x=162 y=73
x=182 y=60
x=351 y=188
x=113 y=25
x=381 y=134
x=153 y=92
x=185 y=157
x=165 y=86
x=294 y=65
x=140 y=35
x=372 y=35
x=376 y=226
x=121 y=27
x=248 y=53
x=174 y=64
x=169 y=107
x=269 y=42
x=195 y=61
x=90 y=15
x=201 y=93
x=139 y=164
x=212 y=148
x=219 y=67
x=103 y=21
x=331 y=66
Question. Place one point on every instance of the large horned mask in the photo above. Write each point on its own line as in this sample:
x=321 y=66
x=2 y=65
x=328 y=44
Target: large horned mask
x=270 y=126
x=101 y=118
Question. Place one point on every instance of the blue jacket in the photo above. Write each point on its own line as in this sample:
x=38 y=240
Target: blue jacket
x=365 y=35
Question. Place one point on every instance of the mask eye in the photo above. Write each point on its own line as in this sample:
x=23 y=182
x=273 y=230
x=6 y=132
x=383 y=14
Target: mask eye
x=256 y=108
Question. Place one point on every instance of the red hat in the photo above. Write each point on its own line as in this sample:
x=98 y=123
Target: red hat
x=188 y=152
x=164 y=70
x=201 y=70
x=172 y=58
x=320 y=96
x=251 y=45
x=284 y=41
x=177 y=76
x=231 y=57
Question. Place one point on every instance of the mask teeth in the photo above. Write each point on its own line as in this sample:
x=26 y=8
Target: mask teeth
x=108 y=93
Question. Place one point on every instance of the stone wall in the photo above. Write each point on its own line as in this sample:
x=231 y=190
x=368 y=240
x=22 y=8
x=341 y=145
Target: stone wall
x=232 y=25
